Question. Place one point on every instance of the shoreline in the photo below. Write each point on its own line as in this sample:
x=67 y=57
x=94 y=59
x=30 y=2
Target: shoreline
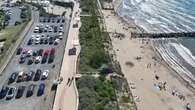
x=167 y=65
x=142 y=77
x=141 y=30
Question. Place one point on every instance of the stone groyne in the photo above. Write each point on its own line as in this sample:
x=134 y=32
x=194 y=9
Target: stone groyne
x=163 y=35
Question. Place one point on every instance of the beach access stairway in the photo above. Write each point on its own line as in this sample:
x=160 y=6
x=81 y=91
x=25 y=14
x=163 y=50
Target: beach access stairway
x=163 y=35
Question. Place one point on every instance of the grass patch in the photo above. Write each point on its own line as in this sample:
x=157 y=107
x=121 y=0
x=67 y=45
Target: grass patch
x=92 y=55
x=10 y=34
x=96 y=94
x=2 y=18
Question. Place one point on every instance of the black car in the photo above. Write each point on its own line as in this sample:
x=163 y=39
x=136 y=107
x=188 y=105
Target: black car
x=48 y=20
x=30 y=61
x=11 y=93
x=3 y=92
x=30 y=75
x=58 y=20
x=30 y=90
x=55 y=29
x=46 y=41
x=51 y=59
x=19 y=51
x=35 y=53
x=44 y=59
x=30 y=41
x=13 y=77
x=20 y=92
x=63 y=20
x=37 y=75
x=22 y=59
x=72 y=51
x=40 y=52
x=42 y=41
x=41 y=89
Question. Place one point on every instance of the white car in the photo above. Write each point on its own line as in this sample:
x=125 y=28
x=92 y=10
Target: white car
x=38 y=59
x=37 y=39
x=61 y=29
x=29 y=53
x=45 y=74
x=57 y=41
x=36 y=29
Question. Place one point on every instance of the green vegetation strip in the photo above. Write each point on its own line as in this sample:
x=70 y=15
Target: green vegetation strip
x=93 y=55
x=2 y=18
x=10 y=35
x=96 y=94
x=99 y=92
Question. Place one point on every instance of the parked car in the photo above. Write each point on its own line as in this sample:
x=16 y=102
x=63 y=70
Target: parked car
x=72 y=51
x=22 y=59
x=20 y=92
x=38 y=59
x=30 y=41
x=45 y=74
x=20 y=76
x=46 y=41
x=57 y=41
x=41 y=89
x=63 y=20
x=44 y=59
x=52 y=52
x=36 y=30
x=29 y=53
x=13 y=77
x=30 y=90
x=37 y=75
x=51 y=59
x=10 y=93
x=30 y=61
x=30 y=75
x=40 y=52
x=3 y=91
x=19 y=51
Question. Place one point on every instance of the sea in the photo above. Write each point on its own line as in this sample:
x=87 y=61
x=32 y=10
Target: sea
x=165 y=16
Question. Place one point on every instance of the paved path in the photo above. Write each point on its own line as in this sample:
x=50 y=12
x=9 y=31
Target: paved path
x=67 y=96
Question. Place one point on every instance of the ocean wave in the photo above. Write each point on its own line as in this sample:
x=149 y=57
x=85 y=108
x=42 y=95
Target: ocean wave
x=165 y=50
x=162 y=15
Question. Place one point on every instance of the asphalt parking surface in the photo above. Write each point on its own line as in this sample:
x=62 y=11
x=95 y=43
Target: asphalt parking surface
x=44 y=102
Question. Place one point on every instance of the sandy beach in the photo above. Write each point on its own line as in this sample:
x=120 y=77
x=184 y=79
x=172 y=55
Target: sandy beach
x=146 y=72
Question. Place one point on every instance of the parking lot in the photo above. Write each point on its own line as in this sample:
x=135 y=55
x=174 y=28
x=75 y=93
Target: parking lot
x=40 y=54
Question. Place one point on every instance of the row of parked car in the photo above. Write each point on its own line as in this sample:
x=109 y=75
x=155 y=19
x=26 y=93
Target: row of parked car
x=10 y=92
x=36 y=56
x=28 y=76
x=45 y=39
x=41 y=28
x=52 y=20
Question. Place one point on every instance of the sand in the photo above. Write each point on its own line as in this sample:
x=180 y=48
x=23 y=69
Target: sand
x=141 y=73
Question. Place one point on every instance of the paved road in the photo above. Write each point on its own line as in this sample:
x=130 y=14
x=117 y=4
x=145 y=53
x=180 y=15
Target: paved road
x=44 y=102
x=67 y=96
